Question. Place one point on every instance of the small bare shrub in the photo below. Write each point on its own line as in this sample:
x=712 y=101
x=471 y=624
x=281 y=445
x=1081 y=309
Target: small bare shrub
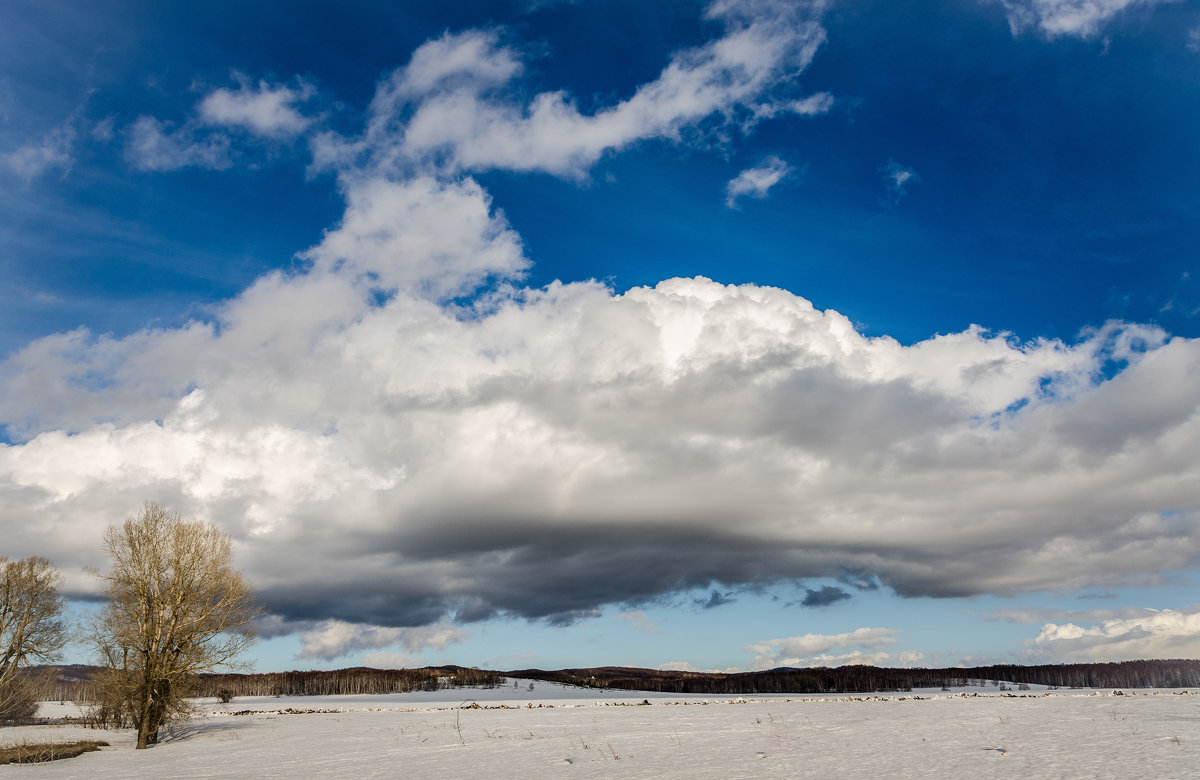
x=20 y=694
x=18 y=702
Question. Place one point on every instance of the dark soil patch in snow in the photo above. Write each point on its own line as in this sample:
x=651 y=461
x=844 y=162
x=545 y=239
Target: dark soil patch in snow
x=41 y=752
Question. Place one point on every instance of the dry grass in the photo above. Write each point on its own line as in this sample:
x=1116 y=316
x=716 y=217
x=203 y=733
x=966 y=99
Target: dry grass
x=41 y=752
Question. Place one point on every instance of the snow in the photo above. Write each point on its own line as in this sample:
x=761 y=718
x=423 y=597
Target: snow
x=556 y=731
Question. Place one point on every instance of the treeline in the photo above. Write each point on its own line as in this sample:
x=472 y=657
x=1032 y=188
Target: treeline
x=867 y=679
x=346 y=682
x=1120 y=674
x=74 y=683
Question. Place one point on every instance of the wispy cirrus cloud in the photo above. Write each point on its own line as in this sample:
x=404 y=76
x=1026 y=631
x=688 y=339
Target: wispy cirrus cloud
x=1193 y=39
x=1078 y=18
x=756 y=182
x=639 y=619
x=1042 y=615
x=52 y=152
x=155 y=145
x=898 y=178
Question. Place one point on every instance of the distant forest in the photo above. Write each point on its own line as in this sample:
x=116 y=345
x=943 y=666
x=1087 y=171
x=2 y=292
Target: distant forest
x=866 y=679
x=73 y=682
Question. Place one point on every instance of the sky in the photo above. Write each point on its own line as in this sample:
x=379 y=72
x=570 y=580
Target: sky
x=693 y=335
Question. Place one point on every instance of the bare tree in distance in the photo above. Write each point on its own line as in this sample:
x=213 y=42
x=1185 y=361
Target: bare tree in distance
x=176 y=608
x=31 y=629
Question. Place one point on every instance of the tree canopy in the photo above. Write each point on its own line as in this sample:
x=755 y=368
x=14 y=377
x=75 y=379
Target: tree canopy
x=31 y=628
x=177 y=608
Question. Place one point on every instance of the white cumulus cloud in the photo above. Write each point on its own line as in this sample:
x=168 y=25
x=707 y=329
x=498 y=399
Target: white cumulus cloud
x=331 y=639
x=423 y=235
x=449 y=106
x=473 y=60
x=435 y=461
x=1154 y=633
x=267 y=110
x=861 y=646
x=204 y=138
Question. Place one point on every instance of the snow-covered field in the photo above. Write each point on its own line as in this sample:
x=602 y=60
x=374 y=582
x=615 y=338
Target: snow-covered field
x=565 y=732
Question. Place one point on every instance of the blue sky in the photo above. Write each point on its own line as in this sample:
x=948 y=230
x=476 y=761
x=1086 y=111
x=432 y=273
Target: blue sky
x=713 y=335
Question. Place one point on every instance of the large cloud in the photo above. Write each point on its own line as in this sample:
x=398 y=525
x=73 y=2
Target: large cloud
x=391 y=460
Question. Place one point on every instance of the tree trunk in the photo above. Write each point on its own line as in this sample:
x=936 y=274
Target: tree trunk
x=151 y=711
x=143 y=726
x=158 y=709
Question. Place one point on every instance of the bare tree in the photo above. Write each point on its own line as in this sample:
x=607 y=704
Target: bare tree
x=176 y=608
x=31 y=629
